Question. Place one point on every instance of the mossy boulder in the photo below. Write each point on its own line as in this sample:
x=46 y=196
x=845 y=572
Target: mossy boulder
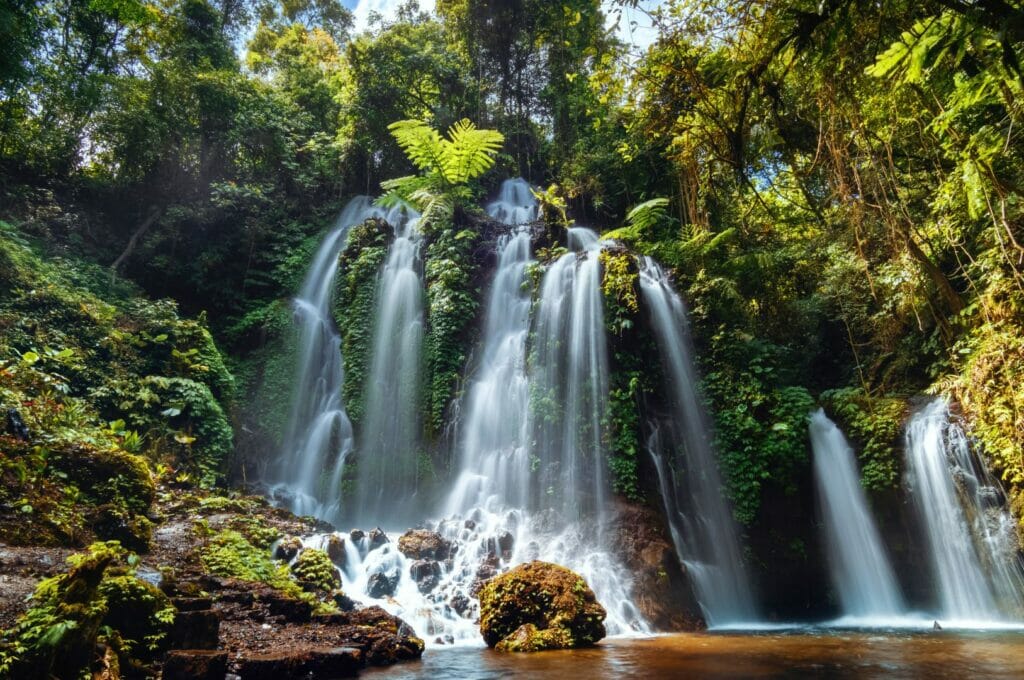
x=420 y=544
x=106 y=475
x=314 y=570
x=538 y=606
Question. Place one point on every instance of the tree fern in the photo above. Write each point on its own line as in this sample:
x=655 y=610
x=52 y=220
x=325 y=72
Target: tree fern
x=446 y=166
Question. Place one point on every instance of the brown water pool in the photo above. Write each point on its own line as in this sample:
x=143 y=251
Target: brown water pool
x=833 y=654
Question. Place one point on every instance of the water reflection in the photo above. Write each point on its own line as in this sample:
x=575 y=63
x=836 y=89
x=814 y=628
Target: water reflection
x=717 y=655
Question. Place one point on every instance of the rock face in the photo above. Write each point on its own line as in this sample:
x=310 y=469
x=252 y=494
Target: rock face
x=661 y=588
x=539 y=606
x=420 y=544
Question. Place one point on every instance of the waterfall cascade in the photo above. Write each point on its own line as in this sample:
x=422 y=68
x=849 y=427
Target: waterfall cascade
x=570 y=381
x=858 y=561
x=971 y=537
x=319 y=435
x=387 y=472
x=702 y=526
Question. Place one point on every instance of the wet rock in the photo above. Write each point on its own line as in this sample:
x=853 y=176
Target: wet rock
x=195 y=664
x=661 y=588
x=505 y=543
x=336 y=550
x=538 y=606
x=287 y=548
x=343 y=601
x=421 y=544
x=16 y=427
x=382 y=583
x=459 y=603
x=470 y=524
x=426 y=574
x=487 y=570
x=383 y=637
x=336 y=662
x=378 y=538
x=357 y=535
x=195 y=630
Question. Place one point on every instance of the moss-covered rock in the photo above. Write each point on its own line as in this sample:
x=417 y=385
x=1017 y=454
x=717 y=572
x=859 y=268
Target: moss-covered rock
x=538 y=606
x=95 y=616
x=314 y=571
x=106 y=475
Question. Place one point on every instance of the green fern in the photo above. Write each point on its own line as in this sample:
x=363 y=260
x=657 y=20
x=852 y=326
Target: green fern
x=446 y=165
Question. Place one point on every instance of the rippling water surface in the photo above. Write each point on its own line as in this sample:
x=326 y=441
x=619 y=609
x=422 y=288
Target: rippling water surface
x=724 y=655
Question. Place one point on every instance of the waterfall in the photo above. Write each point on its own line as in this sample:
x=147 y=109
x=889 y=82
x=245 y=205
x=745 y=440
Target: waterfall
x=860 y=568
x=702 y=526
x=318 y=436
x=493 y=448
x=972 y=544
x=508 y=490
x=571 y=381
x=387 y=470
x=515 y=204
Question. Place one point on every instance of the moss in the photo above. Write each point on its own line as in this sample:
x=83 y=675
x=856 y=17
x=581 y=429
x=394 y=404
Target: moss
x=105 y=476
x=875 y=425
x=538 y=606
x=453 y=301
x=183 y=424
x=355 y=306
x=74 y=618
x=314 y=571
x=229 y=553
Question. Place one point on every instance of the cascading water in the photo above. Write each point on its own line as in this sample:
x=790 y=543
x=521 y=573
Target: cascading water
x=387 y=471
x=318 y=437
x=860 y=567
x=502 y=510
x=703 y=530
x=516 y=204
x=571 y=382
x=972 y=543
x=493 y=448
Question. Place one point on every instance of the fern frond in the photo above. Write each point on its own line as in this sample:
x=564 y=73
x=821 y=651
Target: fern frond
x=421 y=143
x=401 y=189
x=469 y=152
x=647 y=214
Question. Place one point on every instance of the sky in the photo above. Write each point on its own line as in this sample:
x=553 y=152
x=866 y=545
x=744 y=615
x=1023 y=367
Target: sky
x=640 y=36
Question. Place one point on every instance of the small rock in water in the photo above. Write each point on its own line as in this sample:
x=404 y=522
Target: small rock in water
x=287 y=548
x=426 y=574
x=421 y=544
x=357 y=535
x=336 y=550
x=378 y=538
x=382 y=584
x=459 y=603
x=936 y=626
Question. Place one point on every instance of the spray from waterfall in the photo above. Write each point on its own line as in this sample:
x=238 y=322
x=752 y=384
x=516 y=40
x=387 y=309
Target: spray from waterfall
x=703 y=530
x=318 y=437
x=971 y=538
x=858 y=562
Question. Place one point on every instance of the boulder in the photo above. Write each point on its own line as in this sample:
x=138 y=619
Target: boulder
x=382 y=583
x=195 y=664
x=314 y=571
x=336 y=550
x=287 y=548
x=426 y=574
x=420 y=544
x=378 y=538
x=538 y=606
